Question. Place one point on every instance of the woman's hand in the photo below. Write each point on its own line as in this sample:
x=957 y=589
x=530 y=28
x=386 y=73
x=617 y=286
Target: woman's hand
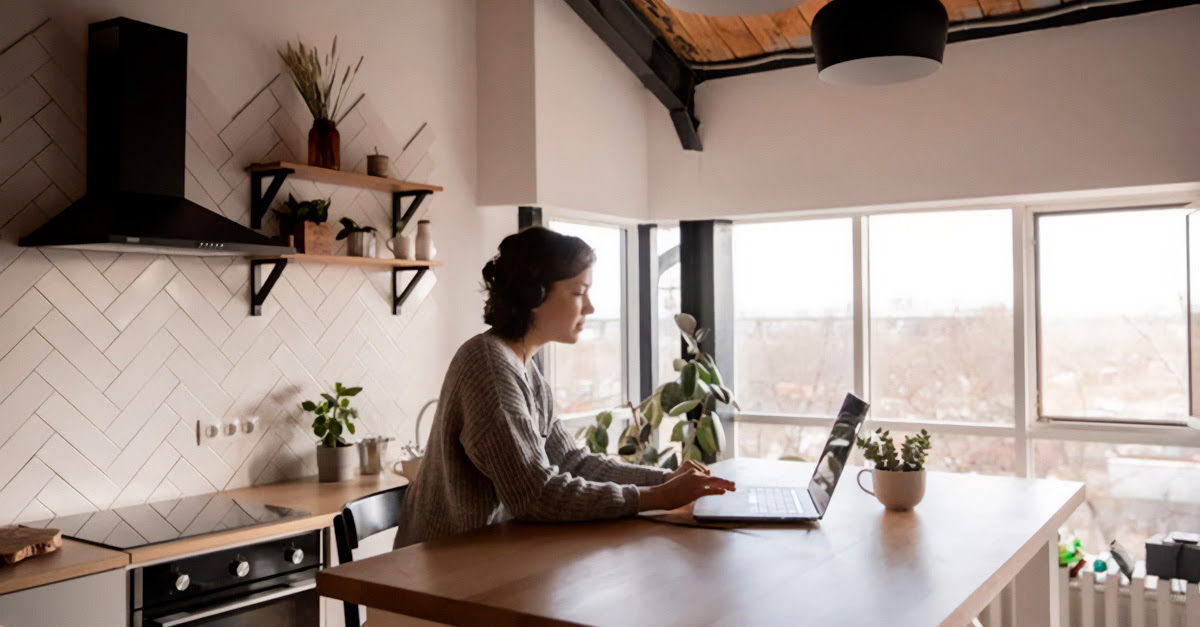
x=689 y=465
x=685 y=485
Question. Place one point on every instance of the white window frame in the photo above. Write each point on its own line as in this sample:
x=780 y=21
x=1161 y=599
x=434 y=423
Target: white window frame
x=1027 y=426
x=628 y=309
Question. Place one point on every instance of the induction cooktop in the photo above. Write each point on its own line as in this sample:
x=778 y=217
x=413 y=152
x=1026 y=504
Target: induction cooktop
x=164 y=521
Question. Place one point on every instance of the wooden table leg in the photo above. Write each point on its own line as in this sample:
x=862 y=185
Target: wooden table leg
x=1035 y=589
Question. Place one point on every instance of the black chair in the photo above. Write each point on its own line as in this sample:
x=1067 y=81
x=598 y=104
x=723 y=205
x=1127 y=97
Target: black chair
x=361 y=519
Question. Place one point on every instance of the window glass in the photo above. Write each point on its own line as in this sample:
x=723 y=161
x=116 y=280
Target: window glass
x=669 y=303
x=793 y=288
x=589 y=375
x=1112 y=299
x=942 y=316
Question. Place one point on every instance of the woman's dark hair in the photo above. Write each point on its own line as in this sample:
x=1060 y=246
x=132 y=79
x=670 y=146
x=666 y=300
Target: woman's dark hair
x=518 y=279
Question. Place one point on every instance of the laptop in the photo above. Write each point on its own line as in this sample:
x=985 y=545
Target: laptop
x=789 y=503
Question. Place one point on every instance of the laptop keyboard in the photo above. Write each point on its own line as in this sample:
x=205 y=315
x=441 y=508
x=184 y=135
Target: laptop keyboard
x=773 y=500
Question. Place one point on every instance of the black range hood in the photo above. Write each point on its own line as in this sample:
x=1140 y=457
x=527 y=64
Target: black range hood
x=136 y=127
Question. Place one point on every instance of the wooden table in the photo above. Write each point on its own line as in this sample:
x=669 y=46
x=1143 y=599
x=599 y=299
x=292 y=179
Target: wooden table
x=938 y=565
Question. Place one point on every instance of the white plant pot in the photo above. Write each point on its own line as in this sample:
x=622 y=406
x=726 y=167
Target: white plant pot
x=337 y=463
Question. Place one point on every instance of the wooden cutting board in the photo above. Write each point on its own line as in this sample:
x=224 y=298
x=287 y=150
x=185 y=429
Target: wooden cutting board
x=18 y=543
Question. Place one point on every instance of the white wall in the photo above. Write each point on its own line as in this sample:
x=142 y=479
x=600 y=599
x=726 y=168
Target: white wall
x=1099 y=105
x=591 y=119
x=562 y=121
x=91 y=418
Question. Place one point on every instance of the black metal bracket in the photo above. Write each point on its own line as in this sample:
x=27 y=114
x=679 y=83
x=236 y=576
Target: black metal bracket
x=260 y=201
x=400 y=215
x=258 y=295
x=397 y=301
x=647 y=55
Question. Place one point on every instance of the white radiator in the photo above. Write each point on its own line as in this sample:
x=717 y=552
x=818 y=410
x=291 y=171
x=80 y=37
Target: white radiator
x=1107 y=601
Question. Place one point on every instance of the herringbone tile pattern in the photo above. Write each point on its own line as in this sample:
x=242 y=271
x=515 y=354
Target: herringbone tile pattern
x=108 y=361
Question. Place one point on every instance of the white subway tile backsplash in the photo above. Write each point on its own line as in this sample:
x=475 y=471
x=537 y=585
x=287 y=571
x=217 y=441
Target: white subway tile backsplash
x=77 y=350
x=205 y=136
x=24 y=442
x=20 y=147
x=20 y=104
x=68 y=381
x=83 y=275
x=19 y=61
x=69 y=180
x=20 y=319
x=21 y=274
x=145 y=288
x=189 y=480
x=192 y=376
x=198 y=345
x=19 y=191
x=249 y=120
x=72 y=466
x=65 y=134
x=21 y=361
x=22 y=489
x=70 y=302
x=63 y=51
x=136 y=338
x=59 y=497
x=139 y=449
x=142 y=401
x=197 y=307
x=66 y=93
x=148 y=477
x=126 y=268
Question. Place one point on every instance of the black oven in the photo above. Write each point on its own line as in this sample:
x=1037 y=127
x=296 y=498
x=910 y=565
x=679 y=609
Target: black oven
x=266 y=583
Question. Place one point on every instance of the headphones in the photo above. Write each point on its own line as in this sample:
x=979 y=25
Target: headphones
x=533 y=295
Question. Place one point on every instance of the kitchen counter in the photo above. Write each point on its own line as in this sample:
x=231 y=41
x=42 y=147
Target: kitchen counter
x=73 y=559
x=322 y=501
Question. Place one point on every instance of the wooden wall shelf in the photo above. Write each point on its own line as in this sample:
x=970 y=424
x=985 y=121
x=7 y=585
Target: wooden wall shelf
x=261 y=199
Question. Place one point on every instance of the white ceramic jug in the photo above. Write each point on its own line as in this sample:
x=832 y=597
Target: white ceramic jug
x=425 y=248
x=402 y=246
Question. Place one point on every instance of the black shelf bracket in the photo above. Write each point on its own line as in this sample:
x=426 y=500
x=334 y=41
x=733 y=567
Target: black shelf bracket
x=397 y=301
x=258 y=295
x=402 y=215
x=260 y=201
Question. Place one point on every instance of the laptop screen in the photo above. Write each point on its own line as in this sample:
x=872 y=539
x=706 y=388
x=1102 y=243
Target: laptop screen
x=837 y=451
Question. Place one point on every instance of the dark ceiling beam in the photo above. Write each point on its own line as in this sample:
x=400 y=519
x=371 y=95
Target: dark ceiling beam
x=1062 y=15
x=639 y=47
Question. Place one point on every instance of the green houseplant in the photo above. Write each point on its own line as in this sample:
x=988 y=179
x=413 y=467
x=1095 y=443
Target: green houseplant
x=305 y=221
x=357 y=238
x=692 y=398
x=898 y=476
x=333 y=417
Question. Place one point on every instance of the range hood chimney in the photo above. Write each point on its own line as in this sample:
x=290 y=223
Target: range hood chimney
x=136 y=127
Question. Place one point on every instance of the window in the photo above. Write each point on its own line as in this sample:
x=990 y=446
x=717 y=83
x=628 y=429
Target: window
x=941 y=316
x=793 y=316
x=1112 y=306
x=669 y=303
x=589 y=376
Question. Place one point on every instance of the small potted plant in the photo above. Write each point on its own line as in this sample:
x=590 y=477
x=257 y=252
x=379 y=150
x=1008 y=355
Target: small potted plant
x=306 y=222
x=692 y=397
x=336 y=458
x=360 y=240
x=898 y=479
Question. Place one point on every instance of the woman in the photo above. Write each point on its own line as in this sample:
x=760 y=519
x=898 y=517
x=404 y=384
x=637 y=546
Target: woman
x=496 y=450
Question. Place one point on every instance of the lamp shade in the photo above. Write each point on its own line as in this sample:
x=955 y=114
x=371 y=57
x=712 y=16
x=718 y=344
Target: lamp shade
x=876 y=42
x=724 y=8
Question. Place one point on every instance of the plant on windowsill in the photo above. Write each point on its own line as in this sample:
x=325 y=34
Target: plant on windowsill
x=898 y=478
x=692 y=397
x=360 y=238
x=305 y=221
x=336 y=458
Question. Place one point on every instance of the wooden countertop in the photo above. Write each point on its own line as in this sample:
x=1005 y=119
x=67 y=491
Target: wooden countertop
x=73 y=559
x=938 y=565
x=322 y=501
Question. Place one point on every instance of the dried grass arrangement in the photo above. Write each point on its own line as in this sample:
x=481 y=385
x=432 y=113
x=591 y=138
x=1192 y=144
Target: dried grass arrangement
x=315 y=80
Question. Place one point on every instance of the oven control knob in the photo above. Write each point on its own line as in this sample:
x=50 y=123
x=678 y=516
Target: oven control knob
x=295 y=556
x=182 y=581
x=239 y=568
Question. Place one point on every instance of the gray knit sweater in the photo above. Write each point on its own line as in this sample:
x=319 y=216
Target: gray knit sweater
x=497 y=451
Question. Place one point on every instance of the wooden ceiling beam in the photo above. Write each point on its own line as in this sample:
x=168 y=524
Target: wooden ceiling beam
x=669 y=78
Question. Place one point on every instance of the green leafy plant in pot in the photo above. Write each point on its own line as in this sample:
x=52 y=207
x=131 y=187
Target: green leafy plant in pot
x=691 y=398
x=359 y=239
x=898 y=477
x=336 y=458
x=305 y=221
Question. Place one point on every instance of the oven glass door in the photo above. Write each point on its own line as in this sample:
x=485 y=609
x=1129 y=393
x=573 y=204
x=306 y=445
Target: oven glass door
x=296 y=605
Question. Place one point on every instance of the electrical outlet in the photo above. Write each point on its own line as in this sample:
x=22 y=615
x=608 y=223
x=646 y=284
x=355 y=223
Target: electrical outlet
x=206 y=431
x=232 y=427
x=249 y=425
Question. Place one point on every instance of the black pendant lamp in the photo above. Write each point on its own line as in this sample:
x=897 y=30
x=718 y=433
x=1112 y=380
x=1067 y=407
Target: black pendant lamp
x=876 y=42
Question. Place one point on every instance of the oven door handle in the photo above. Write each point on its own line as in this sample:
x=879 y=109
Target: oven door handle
x=183 y=618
